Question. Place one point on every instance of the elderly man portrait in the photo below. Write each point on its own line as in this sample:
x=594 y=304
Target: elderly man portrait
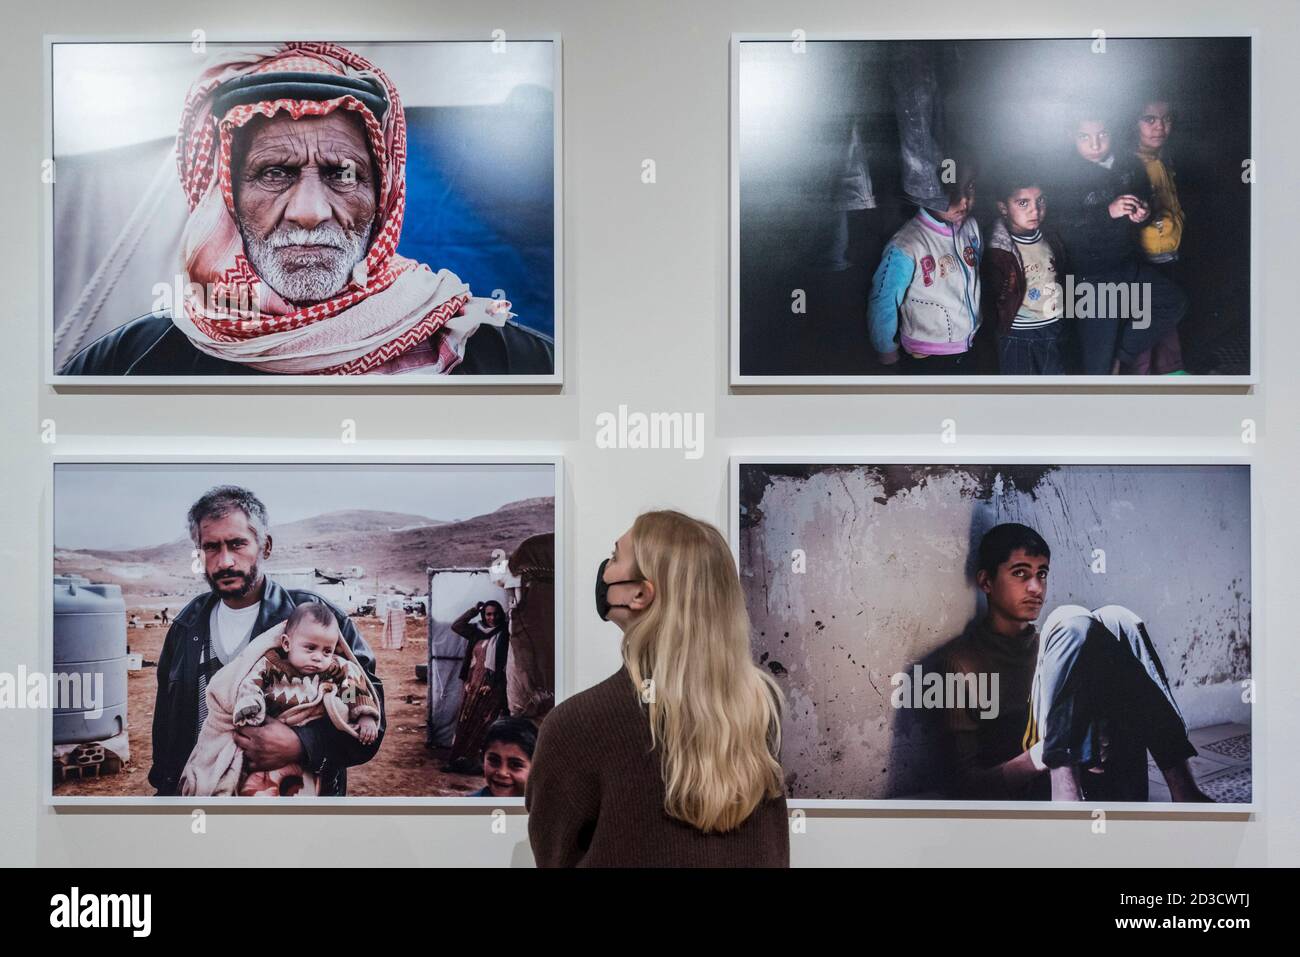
x=293 y=166
x=230 y=529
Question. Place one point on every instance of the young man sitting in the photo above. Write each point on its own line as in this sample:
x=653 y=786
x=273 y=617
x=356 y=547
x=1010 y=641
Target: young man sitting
x=1098 y=698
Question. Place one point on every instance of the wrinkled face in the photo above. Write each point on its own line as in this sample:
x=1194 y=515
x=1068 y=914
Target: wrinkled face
x=1019 y=588
x=1155 y=123
x=505 y=769
x=232 y=551
x=311 y=646
x=1024 y=209
x=1092 y=140
x=305 y=196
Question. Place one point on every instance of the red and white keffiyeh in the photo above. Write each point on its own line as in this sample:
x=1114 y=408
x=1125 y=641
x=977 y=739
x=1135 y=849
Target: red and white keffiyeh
x=394 y=315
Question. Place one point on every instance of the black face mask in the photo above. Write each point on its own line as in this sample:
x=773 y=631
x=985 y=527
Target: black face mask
x=602 y=591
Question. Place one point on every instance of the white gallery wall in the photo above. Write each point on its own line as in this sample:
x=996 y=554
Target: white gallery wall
x=645 y=310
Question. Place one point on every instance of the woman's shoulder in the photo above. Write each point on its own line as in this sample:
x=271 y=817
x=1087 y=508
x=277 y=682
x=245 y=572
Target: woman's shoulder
x=593 y=709
x=615 y=692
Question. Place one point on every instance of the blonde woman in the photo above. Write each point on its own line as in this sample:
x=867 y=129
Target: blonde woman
x=671 y=761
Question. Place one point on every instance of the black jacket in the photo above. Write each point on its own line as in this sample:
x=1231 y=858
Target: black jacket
x=1078 y=207
x=152 y=345
x=176 y=711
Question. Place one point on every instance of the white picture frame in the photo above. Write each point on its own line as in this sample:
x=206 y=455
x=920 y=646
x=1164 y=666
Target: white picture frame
x=46 y=661
x=96 y=383
x=741 y=381
x=1034 y=808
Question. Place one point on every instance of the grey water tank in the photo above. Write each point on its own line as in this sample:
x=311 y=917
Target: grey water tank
x=89 y=639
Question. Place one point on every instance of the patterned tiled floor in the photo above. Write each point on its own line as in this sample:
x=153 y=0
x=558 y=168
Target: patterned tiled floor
x=1222 y=768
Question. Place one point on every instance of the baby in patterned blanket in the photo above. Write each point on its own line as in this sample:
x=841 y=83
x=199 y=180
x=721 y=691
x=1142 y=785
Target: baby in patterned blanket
x=298 y=674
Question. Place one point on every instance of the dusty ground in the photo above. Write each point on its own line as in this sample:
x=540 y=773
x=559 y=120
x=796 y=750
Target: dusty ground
x=404 y=767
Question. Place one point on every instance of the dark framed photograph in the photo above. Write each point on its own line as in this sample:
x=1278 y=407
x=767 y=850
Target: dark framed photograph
x=1013 y=211
x=303 y=212
x=331 y=630
x=1005 y=634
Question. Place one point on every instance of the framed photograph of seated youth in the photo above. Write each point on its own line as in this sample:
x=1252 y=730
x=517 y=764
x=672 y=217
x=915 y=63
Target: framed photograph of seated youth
x=327 y=630
x=1010 y=634
x=258 y=211
x=1040 y=212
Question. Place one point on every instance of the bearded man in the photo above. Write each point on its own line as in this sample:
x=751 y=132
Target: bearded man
x=294 y=168
x=232 y=534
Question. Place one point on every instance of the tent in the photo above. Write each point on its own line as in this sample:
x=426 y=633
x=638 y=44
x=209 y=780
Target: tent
x=530 y=669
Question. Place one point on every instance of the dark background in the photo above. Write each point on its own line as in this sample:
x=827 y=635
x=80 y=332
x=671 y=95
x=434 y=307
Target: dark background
x=1001 y=98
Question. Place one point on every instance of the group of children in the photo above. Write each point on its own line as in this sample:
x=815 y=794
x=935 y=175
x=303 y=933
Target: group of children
x=943 y=301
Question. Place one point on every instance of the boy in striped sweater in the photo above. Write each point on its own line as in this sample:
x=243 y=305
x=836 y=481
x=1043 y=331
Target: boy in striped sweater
x=1022 y=272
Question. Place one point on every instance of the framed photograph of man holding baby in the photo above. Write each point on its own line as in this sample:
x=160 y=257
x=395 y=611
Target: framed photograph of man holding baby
x=281 y=212
x=373 y=630
x=1010 y=211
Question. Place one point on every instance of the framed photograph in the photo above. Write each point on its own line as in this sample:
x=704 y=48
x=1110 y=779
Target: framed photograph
x=330 y=630
x=996 y=211
x=1005 y=634
x=303 y=212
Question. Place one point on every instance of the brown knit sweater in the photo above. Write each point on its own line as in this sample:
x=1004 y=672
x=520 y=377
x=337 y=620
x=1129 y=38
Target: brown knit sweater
x=596 y=795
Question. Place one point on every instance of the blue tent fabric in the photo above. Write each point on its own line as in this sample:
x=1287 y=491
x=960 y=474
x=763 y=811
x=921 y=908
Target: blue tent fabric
x=481 y=200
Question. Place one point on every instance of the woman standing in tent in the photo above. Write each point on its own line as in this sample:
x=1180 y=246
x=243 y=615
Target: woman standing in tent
x=484 y=675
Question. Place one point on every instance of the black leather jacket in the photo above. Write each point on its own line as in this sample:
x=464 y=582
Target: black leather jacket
x=328 y=750
x=152 y=345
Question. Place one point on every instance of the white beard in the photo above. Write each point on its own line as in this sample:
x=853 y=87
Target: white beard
x=324 y=276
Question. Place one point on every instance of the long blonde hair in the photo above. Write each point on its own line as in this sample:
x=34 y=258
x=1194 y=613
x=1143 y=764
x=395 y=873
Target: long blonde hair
x=716 y=715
